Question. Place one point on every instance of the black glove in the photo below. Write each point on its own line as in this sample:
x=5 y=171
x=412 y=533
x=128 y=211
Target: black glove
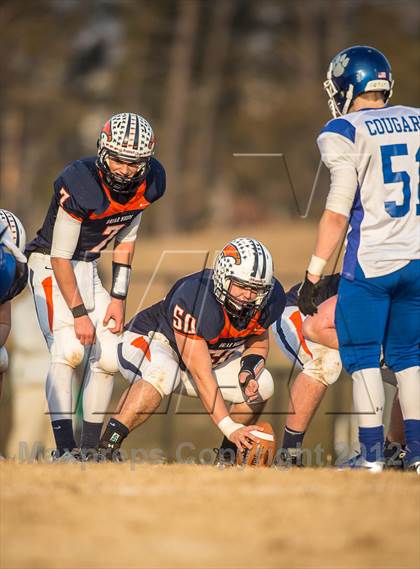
x=252 y=365
x=306 y=297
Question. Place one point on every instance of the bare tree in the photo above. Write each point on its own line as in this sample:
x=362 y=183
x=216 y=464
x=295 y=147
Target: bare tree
x=176 y=108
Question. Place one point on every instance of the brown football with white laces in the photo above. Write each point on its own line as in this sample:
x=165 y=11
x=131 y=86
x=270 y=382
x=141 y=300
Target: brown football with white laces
x=261 y=453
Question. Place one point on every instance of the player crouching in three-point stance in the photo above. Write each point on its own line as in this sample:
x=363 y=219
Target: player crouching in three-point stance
x=311 y=343
x=373 y=156
x=95 y=200
x=208 y=338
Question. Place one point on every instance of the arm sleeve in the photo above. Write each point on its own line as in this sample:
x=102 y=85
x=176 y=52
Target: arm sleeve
x=129 y=233
x=65 y=235
x=338 y=154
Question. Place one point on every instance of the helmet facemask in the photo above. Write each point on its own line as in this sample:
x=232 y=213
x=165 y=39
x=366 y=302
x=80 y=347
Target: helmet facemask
x=246 y=309
x=118 y=182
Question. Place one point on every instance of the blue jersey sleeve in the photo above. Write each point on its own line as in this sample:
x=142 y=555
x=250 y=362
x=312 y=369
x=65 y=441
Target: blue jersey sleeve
x=156 y=181
x=77 y=189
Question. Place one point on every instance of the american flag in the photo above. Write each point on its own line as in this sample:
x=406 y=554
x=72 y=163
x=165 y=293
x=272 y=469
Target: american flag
x=381 y=75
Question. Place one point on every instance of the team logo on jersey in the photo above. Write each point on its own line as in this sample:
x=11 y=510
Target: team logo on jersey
x=232 y=251
x=339 y=64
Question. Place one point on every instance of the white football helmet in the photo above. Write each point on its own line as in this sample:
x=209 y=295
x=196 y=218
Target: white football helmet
x=129 y=138
x=12 y=234
x=247 y=263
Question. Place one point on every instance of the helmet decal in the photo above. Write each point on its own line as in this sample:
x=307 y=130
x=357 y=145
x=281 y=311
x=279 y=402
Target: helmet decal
x=231 y=251
x=339 y=64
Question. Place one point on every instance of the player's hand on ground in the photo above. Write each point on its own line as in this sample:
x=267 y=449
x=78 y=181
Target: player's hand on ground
x=116 y=312
x=84 y=330
x=306 y=296
x=242 y=437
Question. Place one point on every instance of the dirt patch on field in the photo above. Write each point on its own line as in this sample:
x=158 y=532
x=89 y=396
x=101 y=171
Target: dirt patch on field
x=176 y=516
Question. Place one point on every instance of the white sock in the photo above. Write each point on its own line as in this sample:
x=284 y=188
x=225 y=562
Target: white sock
x=368 y=397
x=59 y=391
x=409 y=392
x=97 y=395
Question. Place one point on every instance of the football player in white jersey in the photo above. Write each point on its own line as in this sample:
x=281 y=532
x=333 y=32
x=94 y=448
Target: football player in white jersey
x=372 y=152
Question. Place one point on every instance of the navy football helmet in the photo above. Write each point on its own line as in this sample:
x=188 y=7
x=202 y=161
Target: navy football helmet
x=353 y=71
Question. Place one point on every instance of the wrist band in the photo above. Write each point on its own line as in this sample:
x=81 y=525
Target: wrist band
x=316 y=266
x=79 y=311
x=228 y=426
x=120 y=280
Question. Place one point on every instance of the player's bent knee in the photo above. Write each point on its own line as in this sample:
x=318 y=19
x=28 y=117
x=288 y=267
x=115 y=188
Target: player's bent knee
x=4 y=360
x=71 y=354
x=164 y=380
x=105 y=357
x=266 y=385
x=325 y=366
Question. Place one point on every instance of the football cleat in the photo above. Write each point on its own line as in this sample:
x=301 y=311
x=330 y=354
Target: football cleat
x=358 y=462
x=289 y=458
x=412 y=462
x=66 y=457
x=394 y=454
x=101 y=454
x=225 y=458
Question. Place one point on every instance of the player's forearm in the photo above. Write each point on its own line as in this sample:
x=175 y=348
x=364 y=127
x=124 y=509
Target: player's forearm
x=66 y=280
x=257 y=345
x=124 y=252
x=332 y=227
x=210 y=396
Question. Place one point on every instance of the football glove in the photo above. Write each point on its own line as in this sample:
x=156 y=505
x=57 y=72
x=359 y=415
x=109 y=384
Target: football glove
x=306 y=297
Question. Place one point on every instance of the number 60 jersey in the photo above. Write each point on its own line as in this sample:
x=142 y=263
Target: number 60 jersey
x=191 y=309
x=82 y=193
x=373 y=156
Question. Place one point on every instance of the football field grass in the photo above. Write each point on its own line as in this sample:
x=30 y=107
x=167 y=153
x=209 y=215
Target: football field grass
x=175 y=516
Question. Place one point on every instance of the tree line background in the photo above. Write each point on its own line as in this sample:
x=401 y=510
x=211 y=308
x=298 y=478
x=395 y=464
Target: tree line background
x=213 y=77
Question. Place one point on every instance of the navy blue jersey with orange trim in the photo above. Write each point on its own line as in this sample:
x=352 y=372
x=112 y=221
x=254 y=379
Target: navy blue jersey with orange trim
x=192 y=309
x=79 y=190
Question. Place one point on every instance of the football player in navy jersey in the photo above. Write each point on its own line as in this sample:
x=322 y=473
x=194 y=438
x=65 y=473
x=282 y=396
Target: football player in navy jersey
x=207 y=338
x=13 y=276
x=95 y=200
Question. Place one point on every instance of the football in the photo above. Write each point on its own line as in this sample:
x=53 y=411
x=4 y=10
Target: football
x=261 y=453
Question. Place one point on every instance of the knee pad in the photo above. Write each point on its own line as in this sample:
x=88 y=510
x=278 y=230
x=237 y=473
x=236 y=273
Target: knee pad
x=266 y=385
x=164 y=380
x=4 y=360
x=325 y=366
x=105 y=357
x=66 y=348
